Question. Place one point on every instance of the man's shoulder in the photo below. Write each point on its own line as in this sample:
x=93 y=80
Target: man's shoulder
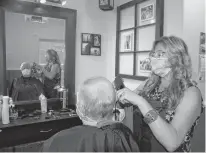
x=118 y=129
x=76 y=130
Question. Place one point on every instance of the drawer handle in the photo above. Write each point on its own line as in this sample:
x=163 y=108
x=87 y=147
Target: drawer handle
x=44 y=131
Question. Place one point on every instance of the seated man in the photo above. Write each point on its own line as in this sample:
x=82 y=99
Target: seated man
x=99 y=132
x=26 y=87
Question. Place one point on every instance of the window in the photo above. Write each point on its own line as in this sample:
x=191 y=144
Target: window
x=139 y=23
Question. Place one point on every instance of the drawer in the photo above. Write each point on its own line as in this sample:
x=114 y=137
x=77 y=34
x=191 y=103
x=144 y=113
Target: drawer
x=35 y=132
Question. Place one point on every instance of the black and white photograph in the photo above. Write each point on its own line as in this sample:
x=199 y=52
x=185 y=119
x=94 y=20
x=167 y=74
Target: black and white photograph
x=97 y=40
x=147 y=13
x=87 y=37
x=86 y=47
x=91 y=44
x=128 y=41
x=102 y=76
x=103 y=2
x=202 y=43
x=95 y=51
x=145 y=65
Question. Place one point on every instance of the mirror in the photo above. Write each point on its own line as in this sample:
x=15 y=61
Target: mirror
x=38 y=41
x=43 y=36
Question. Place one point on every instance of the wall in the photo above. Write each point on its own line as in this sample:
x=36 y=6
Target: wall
x=194 y=23
x=23 y=39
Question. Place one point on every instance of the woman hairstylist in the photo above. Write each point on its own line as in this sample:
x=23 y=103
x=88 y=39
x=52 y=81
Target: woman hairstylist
x=170 y=84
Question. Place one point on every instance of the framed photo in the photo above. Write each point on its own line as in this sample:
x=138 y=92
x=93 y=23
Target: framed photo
x=97 y=40
x=86 y=37
x=95 y=51
x=86 y=48
x=202 y=43
x=202 y=56
x=127 y=41
x=143 y=66
x=91 y=44
x=103 y=2
x=147 y=13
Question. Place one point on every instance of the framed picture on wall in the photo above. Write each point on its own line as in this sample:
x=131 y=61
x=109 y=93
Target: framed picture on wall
x=202 y=43
x=127 y=41
x=103 y=2
x=143 y=64
x=95 y=51
x=147 y=12
x=91 y=44
x=97 y=40
x=202 y=55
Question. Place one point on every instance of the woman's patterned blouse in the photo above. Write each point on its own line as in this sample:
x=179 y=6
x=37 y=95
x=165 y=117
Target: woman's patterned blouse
x=169 y=114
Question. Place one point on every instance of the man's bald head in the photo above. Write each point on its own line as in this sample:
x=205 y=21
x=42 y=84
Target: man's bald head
x=96 y=98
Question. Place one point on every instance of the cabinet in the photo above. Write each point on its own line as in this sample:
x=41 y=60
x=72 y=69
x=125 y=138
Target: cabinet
x=29 y=137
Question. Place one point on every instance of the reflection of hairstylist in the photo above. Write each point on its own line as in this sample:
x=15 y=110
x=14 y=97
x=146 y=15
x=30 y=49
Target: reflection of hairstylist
x=171 y=86
x=51 y=73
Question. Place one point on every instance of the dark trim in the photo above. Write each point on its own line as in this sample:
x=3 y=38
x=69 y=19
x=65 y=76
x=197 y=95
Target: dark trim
x=141 y=78
x=158 y=33
x=142 y=51
x=69 y=15
x=135 y=39
x=159 y=18
x=69 y=69
x=146 y=25
x=131 y=3
x=2 y=53
x=129 y=29
x=135 y=52
x=37 y=9
x=126 y=52
x=137 y=27
x=117 y=43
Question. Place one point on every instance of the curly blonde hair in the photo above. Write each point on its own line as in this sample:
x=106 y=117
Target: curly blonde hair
x=181 y=72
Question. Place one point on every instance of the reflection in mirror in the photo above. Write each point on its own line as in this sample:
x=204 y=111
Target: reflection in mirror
x=35 y=55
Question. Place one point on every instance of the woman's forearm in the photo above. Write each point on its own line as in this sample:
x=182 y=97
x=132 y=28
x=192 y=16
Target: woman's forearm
x=163 y=131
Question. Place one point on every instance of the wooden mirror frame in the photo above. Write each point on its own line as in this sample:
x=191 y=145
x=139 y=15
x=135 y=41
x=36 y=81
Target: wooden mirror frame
x=31 y=8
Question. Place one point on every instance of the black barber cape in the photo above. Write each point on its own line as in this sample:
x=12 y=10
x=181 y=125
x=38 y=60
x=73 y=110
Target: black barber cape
x=115 y=137
x=24 y=88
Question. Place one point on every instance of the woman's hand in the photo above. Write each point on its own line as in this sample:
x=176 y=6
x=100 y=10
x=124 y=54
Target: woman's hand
x=127 y=96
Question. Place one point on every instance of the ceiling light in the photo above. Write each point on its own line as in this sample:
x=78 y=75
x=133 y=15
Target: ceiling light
x=64 y=2
x=42 y=1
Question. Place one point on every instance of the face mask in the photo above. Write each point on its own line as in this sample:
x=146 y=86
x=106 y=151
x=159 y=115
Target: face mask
x=160 y=66
x=85 y=120
x=26 y=72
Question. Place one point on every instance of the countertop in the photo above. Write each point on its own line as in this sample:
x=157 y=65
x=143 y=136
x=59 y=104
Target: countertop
x=38 y=119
